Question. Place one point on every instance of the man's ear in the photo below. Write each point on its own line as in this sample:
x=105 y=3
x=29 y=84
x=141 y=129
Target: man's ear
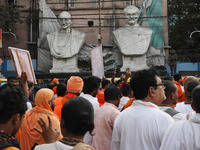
x=62 y=123
x=15 y=119
x=151 y=91
x=172 y=95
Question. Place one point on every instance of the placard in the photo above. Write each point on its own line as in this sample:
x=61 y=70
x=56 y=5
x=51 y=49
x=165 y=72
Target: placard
x=22 y=63
x=97 y=62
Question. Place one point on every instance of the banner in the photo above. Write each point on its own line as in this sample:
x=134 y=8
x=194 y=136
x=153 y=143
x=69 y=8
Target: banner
x=22 y=63
x=97 y=62
x=0 y=38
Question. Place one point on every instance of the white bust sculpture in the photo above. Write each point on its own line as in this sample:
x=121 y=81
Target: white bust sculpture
x=64 y=45
x=133 y=41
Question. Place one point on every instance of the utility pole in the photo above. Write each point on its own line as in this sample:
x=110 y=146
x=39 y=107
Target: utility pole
x=99 y=35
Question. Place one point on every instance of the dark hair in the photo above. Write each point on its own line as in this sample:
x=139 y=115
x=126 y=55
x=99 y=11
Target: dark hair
x=78 y=115
x=90 y=84
x=141 y=82
x=12 y=101
x=126 y=89
x=118 y=81
x=36 y=88
x=190 y=86
x=104 y=83
x=51 y=85
x=10 y=78
x=111 y=93
x=177 y=77
x=170 y=87
x=61 y=89
x=196 y=98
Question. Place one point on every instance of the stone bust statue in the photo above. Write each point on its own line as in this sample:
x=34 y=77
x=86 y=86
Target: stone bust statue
x=132 y=40
x=64 y=45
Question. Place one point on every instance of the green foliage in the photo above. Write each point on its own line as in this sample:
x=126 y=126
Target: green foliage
x=9 y=16
x=184 y=18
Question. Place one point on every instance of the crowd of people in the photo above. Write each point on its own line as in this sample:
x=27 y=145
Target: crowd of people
x=147 y=113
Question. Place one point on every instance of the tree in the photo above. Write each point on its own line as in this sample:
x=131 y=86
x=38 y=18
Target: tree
x=9 y=16
x=184 y=18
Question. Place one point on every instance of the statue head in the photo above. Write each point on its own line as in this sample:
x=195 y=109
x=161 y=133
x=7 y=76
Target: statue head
x=131 y=14
x=64 y=20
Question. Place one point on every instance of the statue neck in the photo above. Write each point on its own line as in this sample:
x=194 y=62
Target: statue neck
x=67 y=30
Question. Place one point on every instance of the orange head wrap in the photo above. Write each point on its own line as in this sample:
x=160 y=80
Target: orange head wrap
x=43 y=96
x=74 y=84
x=55 y=80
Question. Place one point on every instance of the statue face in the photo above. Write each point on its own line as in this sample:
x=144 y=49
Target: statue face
x=64 y=20
x=131 y=16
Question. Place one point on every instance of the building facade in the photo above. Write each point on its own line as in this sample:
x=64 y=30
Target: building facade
x=87 y=18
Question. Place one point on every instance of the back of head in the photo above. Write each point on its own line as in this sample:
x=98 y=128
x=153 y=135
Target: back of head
x=90 y=84
x=12 y=101
x=196 y=98
x=190 y=87
x=189 y=78
x=78 y=115
x=170 y=87
x=104 y=83
x=177 y=77
x=42 y=98
x=10 y=78
x=74 y=84
x=141 y=82
x=126 y=89
x=111 y=93
x=61 y=89
x=51 y=85
x=13 y=80
x=118 y=82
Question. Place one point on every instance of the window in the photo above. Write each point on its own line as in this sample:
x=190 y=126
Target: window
x=71 y=3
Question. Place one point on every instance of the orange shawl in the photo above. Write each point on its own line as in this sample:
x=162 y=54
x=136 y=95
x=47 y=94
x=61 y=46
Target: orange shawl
x=42 y=109
x=60 y=102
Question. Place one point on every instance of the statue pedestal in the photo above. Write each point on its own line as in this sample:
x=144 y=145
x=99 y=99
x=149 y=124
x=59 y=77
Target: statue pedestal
x=65 y=65
x=134 y=63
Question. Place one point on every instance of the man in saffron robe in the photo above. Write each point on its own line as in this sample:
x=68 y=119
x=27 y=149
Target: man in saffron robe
x=74 y=88
x=43 y=101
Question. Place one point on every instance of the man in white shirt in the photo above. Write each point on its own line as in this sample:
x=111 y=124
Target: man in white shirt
x=185 y=107
x=142 y=125
x=185 y=135
x=127 y=93
x=90 y=90
x=171 y=93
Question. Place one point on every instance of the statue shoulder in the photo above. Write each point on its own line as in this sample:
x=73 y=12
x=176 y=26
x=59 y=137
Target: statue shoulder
x=52 y=34
x=118 y=31
x=76 y=32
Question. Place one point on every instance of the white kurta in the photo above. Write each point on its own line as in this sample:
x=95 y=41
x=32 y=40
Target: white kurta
x=176 y=117
x=123 y=102
x=140 y=127
x=54 y=146
x=183 y=135
x=184 y=108
x=93 y=100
